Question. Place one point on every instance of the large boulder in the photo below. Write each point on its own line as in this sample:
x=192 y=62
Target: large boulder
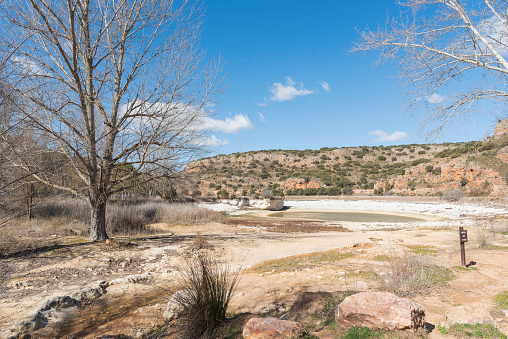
x=467 y=315
x=273 y=328
x=380 y=310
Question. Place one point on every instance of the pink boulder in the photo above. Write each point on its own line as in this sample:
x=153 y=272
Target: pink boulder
x=261 y=328
x=380 y=310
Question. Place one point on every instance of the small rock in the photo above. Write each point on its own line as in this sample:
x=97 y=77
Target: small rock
x=273 y=328
x=270 y=308
x=467 y=315
x=174 y=308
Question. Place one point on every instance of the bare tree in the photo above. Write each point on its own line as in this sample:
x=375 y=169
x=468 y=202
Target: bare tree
x=460 y=45
x=115 y=90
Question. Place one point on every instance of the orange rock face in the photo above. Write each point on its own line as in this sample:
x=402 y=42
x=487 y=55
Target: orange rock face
x=293 y=184
x=503 y=155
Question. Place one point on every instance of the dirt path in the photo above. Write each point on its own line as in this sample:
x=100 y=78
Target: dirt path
x=270 y=278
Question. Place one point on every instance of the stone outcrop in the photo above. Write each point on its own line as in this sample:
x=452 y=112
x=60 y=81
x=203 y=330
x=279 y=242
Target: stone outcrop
x=467 y=315
x=39 y=318
x=273 y=328
x=380 y=310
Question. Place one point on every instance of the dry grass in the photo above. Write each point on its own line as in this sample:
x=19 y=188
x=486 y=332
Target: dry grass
x=66 y=216
x=287 y=226
x=484 y=234
x=413 y=274
x=208 y=286
x=199 y=243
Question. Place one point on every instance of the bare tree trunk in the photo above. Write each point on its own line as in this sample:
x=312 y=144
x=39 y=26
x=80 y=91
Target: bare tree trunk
x=29 y=193
x=98 y=221
x=117 y=89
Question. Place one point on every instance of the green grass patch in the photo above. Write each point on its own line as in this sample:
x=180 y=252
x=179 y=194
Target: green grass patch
x=464 y=269
x=502 y=300
x=422 y=249
x=362 y=333
x=302 y=261
x=442 y=329
x=475 y=331
x=382 y=258
x=495 y=247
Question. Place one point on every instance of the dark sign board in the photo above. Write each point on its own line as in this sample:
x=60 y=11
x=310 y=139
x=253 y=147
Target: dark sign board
x=463 y=236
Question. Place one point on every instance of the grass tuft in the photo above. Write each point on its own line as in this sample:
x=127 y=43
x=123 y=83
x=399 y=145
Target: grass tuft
x=207 y=286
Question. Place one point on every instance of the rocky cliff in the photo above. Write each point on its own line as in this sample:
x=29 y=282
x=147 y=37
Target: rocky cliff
x=479 y=168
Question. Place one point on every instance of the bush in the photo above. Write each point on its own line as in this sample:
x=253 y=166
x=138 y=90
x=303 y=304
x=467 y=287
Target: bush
x=413 y=274
x=454 y=195
x=207 y=289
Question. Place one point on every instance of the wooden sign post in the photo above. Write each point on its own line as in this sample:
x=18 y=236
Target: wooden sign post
x=463 y=240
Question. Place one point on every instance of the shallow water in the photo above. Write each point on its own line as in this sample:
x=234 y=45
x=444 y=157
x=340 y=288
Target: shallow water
x=345 y=216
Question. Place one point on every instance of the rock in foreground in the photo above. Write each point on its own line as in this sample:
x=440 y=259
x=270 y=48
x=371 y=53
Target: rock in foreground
x=380 y=310
x=273 y=328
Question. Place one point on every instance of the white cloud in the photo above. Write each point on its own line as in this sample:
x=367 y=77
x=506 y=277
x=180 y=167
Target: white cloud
x=496 y=33
x=436 y=98
x=262 y=117
x=325 y=86
x=229 y=125
x=264 y=103
x=214 y=141
x=383 y=136
x=288 y=91
x=29 y=65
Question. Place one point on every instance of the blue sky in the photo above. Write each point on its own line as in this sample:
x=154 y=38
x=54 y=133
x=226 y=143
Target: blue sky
x=295 y=85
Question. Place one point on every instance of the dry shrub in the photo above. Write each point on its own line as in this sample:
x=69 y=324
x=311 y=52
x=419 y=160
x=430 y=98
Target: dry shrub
x=500 y=226
x=188 y=214
x=199 y=243
x=207 y=289
x=413 y=274
x=484 y=234
x=71 y=208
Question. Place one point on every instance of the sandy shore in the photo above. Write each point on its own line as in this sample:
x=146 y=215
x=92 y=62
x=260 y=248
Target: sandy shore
x=435 y=214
